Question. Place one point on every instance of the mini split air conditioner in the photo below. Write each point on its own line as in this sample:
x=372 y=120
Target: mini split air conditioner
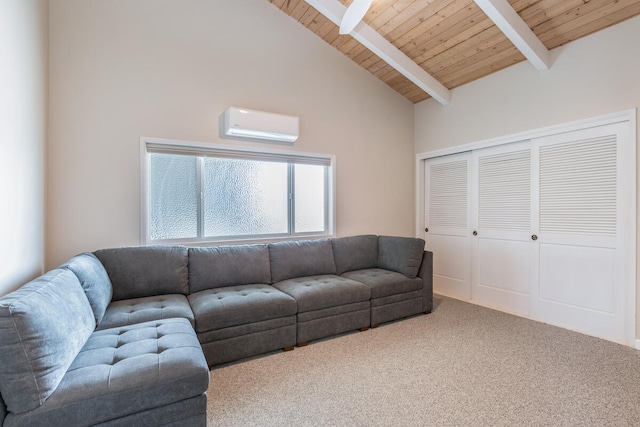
x=244 y=123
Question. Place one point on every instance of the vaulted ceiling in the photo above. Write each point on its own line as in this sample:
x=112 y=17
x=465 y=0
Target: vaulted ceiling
x=425 y=48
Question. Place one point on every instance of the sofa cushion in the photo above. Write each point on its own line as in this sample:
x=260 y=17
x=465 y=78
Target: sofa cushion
x=127 y=370
x=301 y=258
x=355 y=252
x=138 y=310
x=43 y=326
x=401 y=254
x=324 y=291
x=221 y=266
x=144 y=271
x=239 y=305
x=94 y=280
x=385 y=282
x=3 y=411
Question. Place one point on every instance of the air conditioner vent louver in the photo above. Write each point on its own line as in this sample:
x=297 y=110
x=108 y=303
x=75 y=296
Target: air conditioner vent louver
x=245 y=123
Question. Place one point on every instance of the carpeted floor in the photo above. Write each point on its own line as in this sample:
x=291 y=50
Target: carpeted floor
x=462 y=365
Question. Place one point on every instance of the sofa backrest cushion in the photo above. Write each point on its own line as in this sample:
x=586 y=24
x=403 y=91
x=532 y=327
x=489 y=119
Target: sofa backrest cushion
x=94 y=280
x=355 y=252
x=215 y=267
x=401 y=254
x=301 y=258
x=144 y=271
x=43 y=327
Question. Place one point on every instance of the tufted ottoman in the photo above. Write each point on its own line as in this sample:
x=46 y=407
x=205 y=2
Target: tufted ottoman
x=151 y=373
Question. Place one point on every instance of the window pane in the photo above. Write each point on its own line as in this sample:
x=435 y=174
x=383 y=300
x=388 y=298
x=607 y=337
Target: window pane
x=173 y=197
x=244 y=197
x=309 y=198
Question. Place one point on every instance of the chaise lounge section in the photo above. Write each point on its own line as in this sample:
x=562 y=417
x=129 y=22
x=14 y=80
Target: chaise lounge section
x=126 y=336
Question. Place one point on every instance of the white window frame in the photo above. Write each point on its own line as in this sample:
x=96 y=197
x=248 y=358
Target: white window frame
x=149 y=144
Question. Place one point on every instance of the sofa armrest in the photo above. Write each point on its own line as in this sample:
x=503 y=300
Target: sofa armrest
x=426 y=274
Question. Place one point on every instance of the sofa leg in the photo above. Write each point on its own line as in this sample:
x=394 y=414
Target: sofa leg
x=366 y=328
x=302 y=344
x=289 y=348
x=375 y=325
x=427 y=312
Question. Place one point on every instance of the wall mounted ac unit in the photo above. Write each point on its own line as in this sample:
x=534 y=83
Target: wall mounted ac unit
x=244 y=123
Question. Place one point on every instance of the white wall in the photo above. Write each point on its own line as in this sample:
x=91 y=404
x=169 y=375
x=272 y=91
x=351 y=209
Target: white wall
x=123 y=69
x=23 y=122
x=593 y=76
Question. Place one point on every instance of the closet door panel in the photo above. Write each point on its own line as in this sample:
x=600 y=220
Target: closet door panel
x=501 y=252
x=567 y=272
x=504 y=265
x=580 y=282
x=447 y=182
x=449 y=263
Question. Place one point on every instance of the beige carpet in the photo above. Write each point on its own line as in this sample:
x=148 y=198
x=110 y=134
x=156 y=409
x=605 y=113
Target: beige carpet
x=462 y=365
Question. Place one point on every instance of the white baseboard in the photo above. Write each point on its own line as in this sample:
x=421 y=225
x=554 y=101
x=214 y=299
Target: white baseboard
x=638 y=344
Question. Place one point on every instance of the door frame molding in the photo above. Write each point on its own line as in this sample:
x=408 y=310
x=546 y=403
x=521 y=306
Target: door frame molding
x=628 y=116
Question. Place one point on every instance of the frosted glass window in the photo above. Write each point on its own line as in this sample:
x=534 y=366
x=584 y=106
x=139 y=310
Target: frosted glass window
x=310 y=201
x=244 y=197
x=203 y=193
x=173 y=197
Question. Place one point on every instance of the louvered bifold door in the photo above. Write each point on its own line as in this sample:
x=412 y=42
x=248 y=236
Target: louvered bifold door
x=447 y=182
x=579 y=283
x=501 y=236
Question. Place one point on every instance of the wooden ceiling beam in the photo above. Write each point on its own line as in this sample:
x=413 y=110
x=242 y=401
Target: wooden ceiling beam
x=516 y=30
x=368 y=37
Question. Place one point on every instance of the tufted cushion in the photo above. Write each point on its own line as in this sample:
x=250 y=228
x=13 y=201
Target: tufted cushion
x=355 y=252
x=301 y=258
x=138 y=310
x=385 y=282
x=401 y=254
x=144 y=271
x=43 y=326
x=220 y=266
x=239 y=305
x=94 y=280
x=324 y=291
x=121 y=371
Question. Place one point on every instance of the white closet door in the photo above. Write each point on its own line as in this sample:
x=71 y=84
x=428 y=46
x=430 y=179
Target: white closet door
x=579 y=282
x=501 y=242
x=447 y=183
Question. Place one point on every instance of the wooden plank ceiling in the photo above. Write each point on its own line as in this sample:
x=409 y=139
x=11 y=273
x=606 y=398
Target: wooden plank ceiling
x=453 y=40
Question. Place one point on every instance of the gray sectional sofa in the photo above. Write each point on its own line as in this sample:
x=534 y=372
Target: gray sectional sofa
x=126 y=336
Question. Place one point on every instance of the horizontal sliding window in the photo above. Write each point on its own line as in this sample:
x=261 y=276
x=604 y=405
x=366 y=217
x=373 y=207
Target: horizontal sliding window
x=201 y=193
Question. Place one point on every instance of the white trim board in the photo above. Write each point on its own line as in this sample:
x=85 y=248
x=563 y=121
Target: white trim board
x=621 y=116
